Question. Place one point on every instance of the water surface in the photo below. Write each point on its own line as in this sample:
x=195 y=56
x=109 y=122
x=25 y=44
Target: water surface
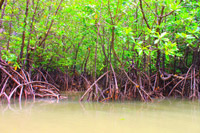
x=128 y=117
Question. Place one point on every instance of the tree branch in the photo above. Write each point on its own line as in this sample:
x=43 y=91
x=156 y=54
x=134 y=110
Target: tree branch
x=143 y=14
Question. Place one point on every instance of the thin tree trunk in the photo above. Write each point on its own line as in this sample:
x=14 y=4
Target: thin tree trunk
x=30 y=32
x=24 y=32
x=10 y=26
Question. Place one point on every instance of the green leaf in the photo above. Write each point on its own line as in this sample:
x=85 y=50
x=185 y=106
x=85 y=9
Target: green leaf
x=163 y=34
x=156 y=41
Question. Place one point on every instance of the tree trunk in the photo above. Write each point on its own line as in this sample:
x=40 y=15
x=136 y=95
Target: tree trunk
x=23 y=34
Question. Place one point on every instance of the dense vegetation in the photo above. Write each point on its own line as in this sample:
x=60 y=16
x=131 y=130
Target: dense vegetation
x=140 y=49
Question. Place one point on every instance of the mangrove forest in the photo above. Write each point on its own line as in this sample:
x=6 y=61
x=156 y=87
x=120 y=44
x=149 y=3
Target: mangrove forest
x=110 y=50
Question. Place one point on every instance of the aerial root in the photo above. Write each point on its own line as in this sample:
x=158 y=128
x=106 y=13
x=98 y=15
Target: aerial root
x=18 y=83
x=136 y=84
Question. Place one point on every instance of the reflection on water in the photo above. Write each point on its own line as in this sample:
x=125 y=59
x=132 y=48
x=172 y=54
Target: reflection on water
x=128 y=117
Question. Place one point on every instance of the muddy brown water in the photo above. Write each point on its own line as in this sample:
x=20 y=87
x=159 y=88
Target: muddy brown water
x=44 y=116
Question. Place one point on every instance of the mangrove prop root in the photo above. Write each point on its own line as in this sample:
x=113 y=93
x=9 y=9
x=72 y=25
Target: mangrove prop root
x=121 y=85
x=17 y=84
x=142 y=86
x=90 y=88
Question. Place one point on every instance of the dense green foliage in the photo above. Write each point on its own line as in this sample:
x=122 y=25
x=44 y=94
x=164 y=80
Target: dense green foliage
x=82 y=29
